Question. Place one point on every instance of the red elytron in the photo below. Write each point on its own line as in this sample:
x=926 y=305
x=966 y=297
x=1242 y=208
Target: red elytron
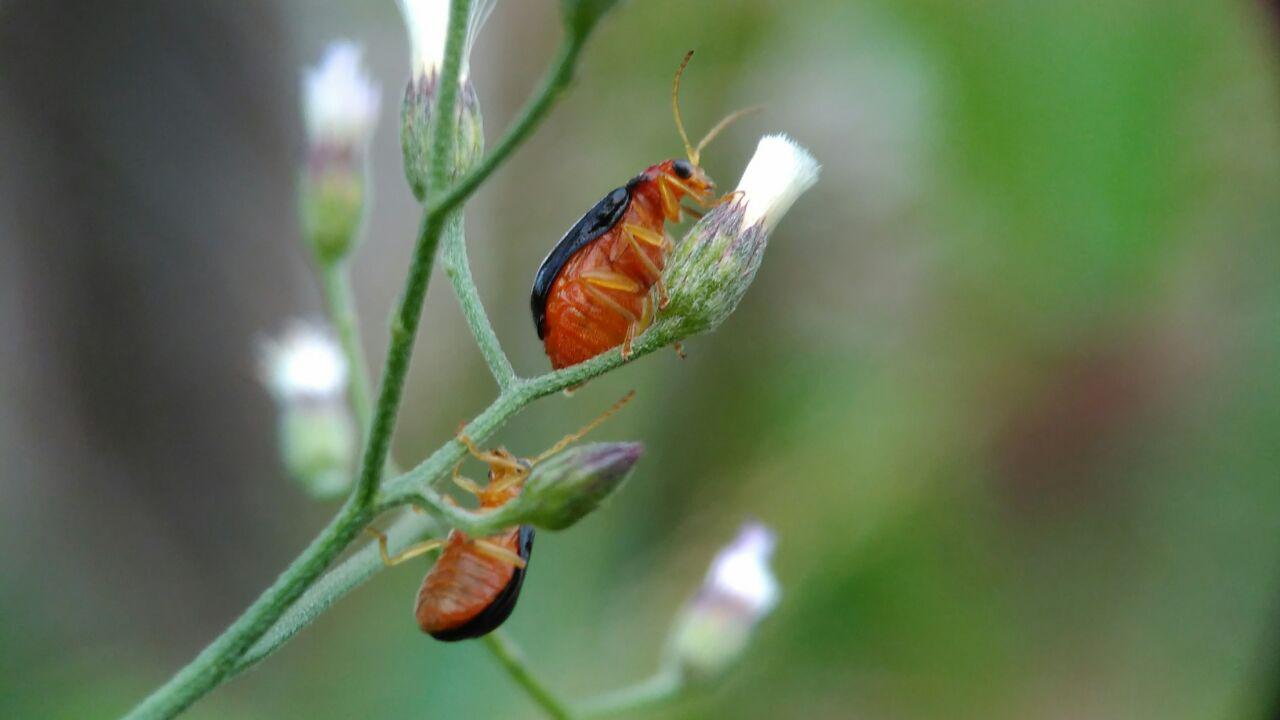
x=602 y=283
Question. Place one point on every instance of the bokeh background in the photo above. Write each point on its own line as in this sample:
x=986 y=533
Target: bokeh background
x=1008 y=384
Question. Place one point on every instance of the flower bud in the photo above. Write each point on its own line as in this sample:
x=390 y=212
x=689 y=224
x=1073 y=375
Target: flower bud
x=566 y=488
x=715 y=626
x=307 y=374
x=712 y=268
x=427 y=22
x=340 y=104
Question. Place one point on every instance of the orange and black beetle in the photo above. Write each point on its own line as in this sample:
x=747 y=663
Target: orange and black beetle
x=473 y=586
x=595 y=289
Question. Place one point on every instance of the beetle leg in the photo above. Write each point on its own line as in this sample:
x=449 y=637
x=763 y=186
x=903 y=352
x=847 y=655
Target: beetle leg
x=497 y=552
x=603 y=298
x=679 y=348
x=654 y=274
x=488 y=458
x=637 y=327
x=408 y=553
x=465 y=483
x=696 y=214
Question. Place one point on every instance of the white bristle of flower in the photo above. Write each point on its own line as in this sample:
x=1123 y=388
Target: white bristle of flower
x=779 y=172
x=428 y=24
x=741 y=571
x=305 y=363
x=340 y=100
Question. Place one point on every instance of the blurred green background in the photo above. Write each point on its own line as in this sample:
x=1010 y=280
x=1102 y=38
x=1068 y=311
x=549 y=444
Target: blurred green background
x=1008 y=385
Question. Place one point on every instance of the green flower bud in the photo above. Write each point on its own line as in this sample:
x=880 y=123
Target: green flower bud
x=341 y=107
x=307 y=374
x=710 y=271
x=566 y=488
x=318 y=445
x=427 y=22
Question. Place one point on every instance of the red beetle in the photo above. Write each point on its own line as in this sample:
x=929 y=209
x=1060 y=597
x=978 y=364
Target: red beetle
x=474 y=584
x=596 y=288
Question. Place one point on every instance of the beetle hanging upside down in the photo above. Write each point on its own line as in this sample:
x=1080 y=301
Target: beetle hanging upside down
x=596 y=289
x=474 y=584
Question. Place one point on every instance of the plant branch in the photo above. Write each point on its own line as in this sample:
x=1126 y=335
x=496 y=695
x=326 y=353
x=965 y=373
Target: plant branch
x=513 y=661
x=335 y=281
x=346 y=576
x=544 y=98
x=217 y=661
x=458 y=268
x=404 y=326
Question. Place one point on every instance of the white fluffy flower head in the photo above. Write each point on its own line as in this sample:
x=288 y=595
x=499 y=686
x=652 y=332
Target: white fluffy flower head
x=428 y=24
x=740 y=573
x=778 y=173
x=340 y=100
x=304 y=364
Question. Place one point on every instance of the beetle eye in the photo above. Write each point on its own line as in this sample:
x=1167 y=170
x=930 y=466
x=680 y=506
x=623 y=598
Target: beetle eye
x=682 y=169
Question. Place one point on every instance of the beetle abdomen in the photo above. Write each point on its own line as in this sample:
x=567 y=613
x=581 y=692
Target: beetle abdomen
x=467 y=593
x=585 y=318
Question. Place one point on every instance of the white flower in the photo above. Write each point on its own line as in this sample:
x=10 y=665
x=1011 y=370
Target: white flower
x=340 y=101
x=427 y=22
x=740 y=573
x=304 y=364
x=739 y=591
x=778 y=173
x=712 y=268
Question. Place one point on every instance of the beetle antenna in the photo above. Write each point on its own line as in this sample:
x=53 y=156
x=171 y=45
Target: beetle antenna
x=675 y=109
x=726 y=122
x=568 y=440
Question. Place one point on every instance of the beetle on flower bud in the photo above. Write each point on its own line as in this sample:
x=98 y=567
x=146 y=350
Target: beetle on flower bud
x=307 y=374
x=427 y=22
x=473 y=586
x=738 y=592
x=340 y=107
x=602 y=283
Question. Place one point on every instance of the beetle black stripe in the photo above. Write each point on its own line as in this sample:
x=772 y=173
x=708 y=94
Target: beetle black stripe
x=598 y=221
x=497 y=612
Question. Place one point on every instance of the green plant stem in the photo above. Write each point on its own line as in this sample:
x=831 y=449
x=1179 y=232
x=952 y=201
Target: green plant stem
x=458 y=268
x=513 y=661
x=218 y=660
x=544 y=98
x=363 y=564
x=335 y=281
x=662 y=687
x=404 y=325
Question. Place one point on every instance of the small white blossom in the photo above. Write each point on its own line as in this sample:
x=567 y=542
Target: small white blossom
x=740 y=573
x=428 y=22
x=778 y=173
x=340 y=100
x=716 y=626
x=304 y=364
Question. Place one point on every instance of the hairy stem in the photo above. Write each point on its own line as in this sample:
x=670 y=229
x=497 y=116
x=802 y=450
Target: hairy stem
x=458 y=268
x=347 y=575
x=544 y=97
x=513 y=661
x=404 y=325
x=218 y=660
x=335 y=280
